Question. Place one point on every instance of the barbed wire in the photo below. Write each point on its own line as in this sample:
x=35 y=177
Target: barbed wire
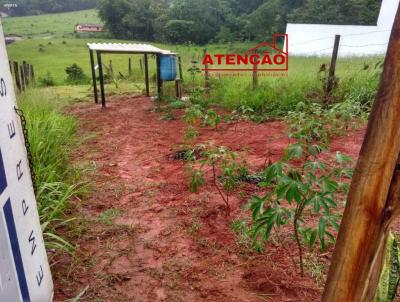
x=331 y=37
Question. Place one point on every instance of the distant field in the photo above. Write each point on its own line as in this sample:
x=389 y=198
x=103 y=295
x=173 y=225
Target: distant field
x=49 y=25
x=51 y=46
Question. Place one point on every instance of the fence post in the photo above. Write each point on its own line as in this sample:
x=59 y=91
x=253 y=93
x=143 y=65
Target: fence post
x=373 y=200
x=21 y=70
x=32 y=73
x=206 y=74
x=130 y=66
x=25 y=68
x=255 y=77
x=17 y=77
x=332 y=67
x=180 y=68
x=32 y=70
x=110 y=68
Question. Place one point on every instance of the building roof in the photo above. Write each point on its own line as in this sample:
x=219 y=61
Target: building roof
x=88 y=24
x=127 y=48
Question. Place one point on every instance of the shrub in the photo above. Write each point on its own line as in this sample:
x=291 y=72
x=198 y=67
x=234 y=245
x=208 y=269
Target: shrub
x=75 y=74
x=47 y=80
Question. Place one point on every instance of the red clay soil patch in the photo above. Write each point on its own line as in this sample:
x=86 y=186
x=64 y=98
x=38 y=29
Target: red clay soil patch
x=165 y=243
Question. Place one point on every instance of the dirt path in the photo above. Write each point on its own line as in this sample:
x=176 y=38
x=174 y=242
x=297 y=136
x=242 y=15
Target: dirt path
x=147 y=238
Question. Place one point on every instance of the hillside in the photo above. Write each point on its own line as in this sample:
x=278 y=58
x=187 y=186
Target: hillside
x=48 y=25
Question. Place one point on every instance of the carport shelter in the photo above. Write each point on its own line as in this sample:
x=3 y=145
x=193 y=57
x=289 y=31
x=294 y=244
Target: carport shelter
x=126 y=48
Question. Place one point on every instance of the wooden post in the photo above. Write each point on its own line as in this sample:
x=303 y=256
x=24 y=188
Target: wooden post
x=92 y=67
x=180 y=68
x=110 y=69
x=206 y=74
x=146 y=74
x=22 y=75
x=374 y=197
x=129 y=66
x=32 y=72
x=255 y=77
x=159 y=81
x=101 y=78
x=332 y=67
x=25 y=68
x=17 y=77
x=178 y=88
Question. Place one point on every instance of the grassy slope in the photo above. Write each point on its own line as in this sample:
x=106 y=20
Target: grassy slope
x=49 y=25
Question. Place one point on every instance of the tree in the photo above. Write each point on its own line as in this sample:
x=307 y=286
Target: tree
x=205 y=17
x=112 y=14
x=357 y=12
x=131 y=19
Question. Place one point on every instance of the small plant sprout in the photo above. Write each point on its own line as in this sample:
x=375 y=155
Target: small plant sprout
x=211 y=118
x=298 y=192
x=225 y=167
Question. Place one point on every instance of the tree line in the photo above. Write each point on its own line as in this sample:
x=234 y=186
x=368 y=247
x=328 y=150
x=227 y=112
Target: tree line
x=200 y=22
x=37 y=7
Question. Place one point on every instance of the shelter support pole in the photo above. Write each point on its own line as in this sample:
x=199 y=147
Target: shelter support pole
x=96 y=98
x=101 y=77
x=146 y=73
x=159 y=81
x=374 y=197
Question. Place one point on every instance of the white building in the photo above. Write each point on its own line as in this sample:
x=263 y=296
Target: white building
x=317 y=39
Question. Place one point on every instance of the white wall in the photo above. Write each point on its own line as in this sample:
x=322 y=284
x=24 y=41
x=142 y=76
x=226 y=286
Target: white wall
x=317 y=39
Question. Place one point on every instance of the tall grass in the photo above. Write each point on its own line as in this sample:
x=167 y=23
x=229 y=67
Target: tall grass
x=51 y=136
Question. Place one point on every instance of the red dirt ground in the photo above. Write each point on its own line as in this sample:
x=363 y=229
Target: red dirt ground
x=169 y=244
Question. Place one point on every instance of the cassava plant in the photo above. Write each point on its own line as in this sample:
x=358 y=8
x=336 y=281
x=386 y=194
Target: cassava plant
x=303 y=195
x=196 y=115
x=313 y=123
x=225 y=167
x=192 y=115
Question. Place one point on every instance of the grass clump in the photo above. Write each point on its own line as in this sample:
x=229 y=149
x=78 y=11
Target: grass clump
x=51 y=137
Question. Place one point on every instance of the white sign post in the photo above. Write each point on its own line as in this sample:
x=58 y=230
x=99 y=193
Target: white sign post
x=24 y=270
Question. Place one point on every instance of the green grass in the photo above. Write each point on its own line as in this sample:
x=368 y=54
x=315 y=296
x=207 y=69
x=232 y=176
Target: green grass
x=49 y=25
x=301 y=84
x=273 y=95
x=52 y=137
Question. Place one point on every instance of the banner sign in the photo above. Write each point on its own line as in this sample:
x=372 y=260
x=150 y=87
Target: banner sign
x=24 y=270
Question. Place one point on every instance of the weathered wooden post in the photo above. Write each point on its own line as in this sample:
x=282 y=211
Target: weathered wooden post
x=180 y=68
x=110 y=69
x=25 y=68
x=206 y=74
x=374 y=197
x=16 y=75
x=255 y=77
x=32 y=72
x=21 y=71
x=332 y=67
